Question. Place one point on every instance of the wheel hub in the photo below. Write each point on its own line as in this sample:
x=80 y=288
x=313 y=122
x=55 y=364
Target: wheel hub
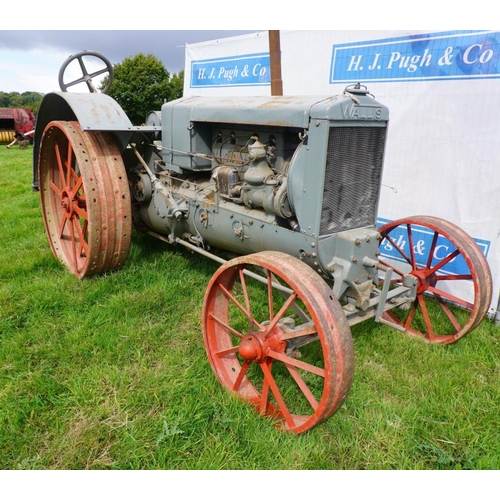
x=425 y=280
x=68 y=203
x=250 y=348
x=255 y=345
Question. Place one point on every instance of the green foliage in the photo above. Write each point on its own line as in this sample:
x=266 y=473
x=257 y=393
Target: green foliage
x=177 y=83
x=4 y=99
x=141 y=84
x=111 y=373
x=28 y=100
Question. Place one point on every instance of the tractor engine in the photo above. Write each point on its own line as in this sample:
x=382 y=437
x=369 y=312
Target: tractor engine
x=255 y=184
x=300 y=175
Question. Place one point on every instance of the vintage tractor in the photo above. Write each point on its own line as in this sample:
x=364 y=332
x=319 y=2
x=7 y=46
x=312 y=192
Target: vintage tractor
x=290 y=185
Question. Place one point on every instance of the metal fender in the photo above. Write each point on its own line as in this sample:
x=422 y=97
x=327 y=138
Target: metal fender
x=94 y=111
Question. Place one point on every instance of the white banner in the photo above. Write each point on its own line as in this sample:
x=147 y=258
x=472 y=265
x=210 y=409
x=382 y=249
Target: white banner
x=443 y=92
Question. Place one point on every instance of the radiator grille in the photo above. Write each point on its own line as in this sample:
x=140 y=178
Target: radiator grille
x=352 y=178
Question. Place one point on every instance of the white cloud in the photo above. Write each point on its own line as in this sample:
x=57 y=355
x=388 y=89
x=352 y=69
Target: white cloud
x=34 y=70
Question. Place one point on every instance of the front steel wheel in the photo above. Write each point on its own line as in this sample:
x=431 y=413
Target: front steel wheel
x=277 y=337
x=454 y=285
x=85 y=198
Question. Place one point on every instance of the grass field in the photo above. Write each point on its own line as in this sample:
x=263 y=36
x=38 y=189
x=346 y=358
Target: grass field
x=111 y=372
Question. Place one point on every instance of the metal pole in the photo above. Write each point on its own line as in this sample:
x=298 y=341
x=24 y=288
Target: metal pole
x=275 y=60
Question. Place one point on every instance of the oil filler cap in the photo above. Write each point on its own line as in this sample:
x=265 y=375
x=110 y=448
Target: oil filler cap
x=357 y=89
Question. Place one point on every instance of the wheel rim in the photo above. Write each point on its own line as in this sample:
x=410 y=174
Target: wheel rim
x=290 y=355
x=454 y=285
x=85 y=199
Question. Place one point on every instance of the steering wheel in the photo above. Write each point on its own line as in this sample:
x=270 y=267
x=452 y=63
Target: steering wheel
x=86 y=76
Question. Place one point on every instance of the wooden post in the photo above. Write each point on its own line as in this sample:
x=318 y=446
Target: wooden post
x=275 y=60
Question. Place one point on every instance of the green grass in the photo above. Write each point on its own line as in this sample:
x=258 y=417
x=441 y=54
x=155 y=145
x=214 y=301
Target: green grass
x=111 y=372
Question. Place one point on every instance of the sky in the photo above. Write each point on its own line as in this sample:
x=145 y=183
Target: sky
x=30 y=59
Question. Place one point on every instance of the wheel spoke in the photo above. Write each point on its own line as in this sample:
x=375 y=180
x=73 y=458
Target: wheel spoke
x=277 y=394
x=229 y=328
x=302 y=331
x=59 y=162
x=281 y=312
x=425 y=312
x=77 y=186
x=455 y=277
x=75 y=177
x=452 y=298
x=73 y=242
x=298 y=311
x=228 y=294
x=69 y=161
x=411 y=315
x=56 y=190
x=287 y=360
x=303 y=386
x=226 y=352
x=245 y=294
x=432 y=249
x=449 y=314
x=270 y=299
x=241 y=376
x=264 y=399
x=81 y=212
x=81 y=237
x=442 y=263
x=62 y=226
x=413 y=261
x=400 y=250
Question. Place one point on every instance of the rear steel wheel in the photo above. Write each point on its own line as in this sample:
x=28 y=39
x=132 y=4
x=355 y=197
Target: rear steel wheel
x=85 y=198
x=454 y=287
x=278 y=338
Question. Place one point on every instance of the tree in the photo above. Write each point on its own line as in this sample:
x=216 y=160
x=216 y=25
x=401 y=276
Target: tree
x=141 y=84
x=4 y=100
x=29 y=100
x=177 y=82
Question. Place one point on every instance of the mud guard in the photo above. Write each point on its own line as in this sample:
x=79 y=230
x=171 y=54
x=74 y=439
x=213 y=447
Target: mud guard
x=93 y=111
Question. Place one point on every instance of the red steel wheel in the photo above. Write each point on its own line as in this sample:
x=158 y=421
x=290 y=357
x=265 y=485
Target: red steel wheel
x=454 y=288
x=85 y=198
x=281 y=342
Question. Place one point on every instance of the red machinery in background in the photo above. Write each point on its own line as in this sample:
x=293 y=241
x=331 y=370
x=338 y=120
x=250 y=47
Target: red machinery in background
x=16 y=122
